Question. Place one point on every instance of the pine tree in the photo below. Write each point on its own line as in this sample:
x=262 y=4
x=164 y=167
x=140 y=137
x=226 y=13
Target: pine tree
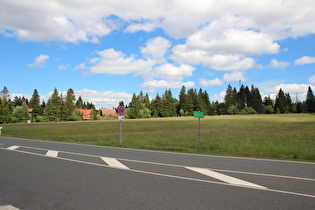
x=134 y=107
x=69 y=106
x=35 y=103
x=5 y=93
x=168 y=104
x=183 y=99
x=157 y=106
x=53 y=108
x=257 y=103
x=289 y=103
x=79 y=103
x=310 y=100
x=280 y=104
x=191 y=101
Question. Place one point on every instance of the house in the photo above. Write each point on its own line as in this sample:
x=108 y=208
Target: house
x=85 y=113
x=108 y=112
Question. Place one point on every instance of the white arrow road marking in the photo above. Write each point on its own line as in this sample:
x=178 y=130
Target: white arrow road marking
x=13 y=147
x=52 y=153
x=114 y=163
x=224 y=178
x=8 y=207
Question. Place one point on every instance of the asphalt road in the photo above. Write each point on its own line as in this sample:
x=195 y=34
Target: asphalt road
x=51 y=175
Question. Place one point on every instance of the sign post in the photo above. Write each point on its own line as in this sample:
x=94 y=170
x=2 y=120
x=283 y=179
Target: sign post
x=199 y=115
x=121 y=111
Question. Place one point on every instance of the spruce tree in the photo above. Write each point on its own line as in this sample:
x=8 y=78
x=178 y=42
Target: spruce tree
x=53 y=108
x=134 y=107
x=280 y=104
x=79 y=103
x=69 y=106
x=35 y=103
x=310 y=100
x=183 y=99
x=257 y=103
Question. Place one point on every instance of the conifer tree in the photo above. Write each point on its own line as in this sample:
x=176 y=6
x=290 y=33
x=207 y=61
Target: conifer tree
x=35 y=103
x=134 y=107
x=183 y=99
x=310 y=100
x=53 y=108
x=280 y=104
x=79 y=103
x=69 y=106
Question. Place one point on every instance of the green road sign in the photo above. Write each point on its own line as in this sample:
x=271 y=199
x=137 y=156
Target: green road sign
x=199 y=115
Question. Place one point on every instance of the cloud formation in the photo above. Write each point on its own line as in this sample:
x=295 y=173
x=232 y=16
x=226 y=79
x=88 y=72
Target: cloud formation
x=304 y=60
x=39 y=61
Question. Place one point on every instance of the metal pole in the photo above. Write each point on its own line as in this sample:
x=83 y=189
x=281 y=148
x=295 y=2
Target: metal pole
x=120 y=132
x=199 y=135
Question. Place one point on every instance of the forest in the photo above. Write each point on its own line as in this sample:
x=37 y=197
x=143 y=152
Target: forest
x=244 y=101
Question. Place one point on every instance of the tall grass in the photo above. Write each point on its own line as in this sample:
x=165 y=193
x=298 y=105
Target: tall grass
x=290 y=136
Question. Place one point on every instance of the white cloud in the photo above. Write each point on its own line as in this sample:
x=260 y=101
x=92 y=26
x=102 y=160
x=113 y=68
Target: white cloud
x=116 y=62
x=89 y=20
x=156 y=48
x=134 y=27
x=312 y=79
x=295 y=90
x=152 y=85
x=62 y=67
x=234 y=76
x=304 y=60
x=171 y=72
x=39 y=61
x=219 y=97
x=106 y=99
x=223 y=62
x=208 y=83
x=81 y=66
x=278 y=64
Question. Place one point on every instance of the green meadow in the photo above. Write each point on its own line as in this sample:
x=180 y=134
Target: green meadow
x=286 y=136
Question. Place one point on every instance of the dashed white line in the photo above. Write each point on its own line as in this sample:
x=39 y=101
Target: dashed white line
x=52 y=153
x=13 y=147
x=224 y=178
x=114 y=163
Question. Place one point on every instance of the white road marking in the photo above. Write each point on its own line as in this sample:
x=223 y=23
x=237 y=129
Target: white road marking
x=52 y=153
x=8 y=207
x=13 y=147
x=114 y=163
x=172 y=176
x=224 y=178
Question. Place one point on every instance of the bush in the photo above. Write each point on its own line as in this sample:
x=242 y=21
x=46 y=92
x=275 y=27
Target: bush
x=75 y=116
x=269 y=109
x=41 y=119
x=248 y=110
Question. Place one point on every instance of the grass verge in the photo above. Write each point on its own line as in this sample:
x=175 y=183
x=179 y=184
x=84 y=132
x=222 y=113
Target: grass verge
x=290 y=136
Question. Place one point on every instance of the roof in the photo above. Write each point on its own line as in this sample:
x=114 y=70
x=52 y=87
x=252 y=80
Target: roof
x=86 y=113
x=108 y=112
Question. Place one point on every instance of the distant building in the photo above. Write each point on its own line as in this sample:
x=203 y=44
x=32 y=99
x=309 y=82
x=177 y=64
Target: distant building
x=108 y=112
x=85 y=113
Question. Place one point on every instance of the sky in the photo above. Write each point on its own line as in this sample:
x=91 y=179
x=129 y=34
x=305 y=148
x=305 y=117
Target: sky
x=107 y=50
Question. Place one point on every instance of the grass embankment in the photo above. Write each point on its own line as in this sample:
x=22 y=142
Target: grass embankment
x=290 y=136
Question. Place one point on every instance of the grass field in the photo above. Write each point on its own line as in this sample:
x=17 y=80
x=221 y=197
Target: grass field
x=289 y=136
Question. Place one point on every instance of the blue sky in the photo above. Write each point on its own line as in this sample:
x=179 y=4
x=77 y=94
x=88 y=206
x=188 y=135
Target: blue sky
x=106 y=51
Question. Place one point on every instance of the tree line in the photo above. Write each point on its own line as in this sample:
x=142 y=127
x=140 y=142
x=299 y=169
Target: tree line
x=57 y=108
x=244 y=101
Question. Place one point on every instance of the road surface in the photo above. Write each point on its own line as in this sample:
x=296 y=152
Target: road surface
x=51 y=175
